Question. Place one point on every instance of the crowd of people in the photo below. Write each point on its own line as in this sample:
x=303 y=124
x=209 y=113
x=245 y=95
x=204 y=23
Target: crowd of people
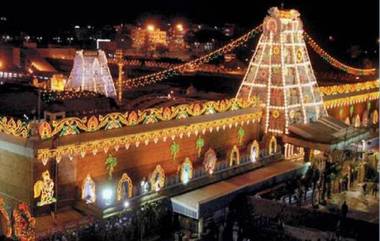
x=150 y=220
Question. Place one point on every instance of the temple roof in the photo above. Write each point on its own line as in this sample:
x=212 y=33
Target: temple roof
x=327 y=131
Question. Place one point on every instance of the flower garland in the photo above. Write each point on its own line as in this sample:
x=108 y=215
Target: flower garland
x=24 y=223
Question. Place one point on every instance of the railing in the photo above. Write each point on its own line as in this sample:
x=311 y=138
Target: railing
x=173 y=186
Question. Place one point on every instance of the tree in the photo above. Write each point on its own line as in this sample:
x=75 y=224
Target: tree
x=111 y=163
x=174 y=149
x=199 y=145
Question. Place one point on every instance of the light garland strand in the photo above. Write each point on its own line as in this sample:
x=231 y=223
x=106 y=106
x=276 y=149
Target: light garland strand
x=334 y=62
x=193 y=64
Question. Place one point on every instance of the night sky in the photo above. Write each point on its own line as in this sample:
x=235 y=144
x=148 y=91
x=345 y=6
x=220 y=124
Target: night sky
x=349 y=22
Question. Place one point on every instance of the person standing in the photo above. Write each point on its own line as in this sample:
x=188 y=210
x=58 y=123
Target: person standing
x=235 y=232
x=344 y=210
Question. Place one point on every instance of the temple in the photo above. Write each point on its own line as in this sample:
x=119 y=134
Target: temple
x=96 y=163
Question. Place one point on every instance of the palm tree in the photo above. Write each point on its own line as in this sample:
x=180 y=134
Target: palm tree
x=111 y=163
x=199 y=145
x=174 y=149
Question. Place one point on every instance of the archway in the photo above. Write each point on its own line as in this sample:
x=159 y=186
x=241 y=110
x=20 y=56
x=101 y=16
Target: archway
x=186 y=171
x=375 y=117
x=5 y=223
x=209 y=161
x=357 y=121
x=272 y=145
x=124 y=187
x=235 y=156
x=365 y=118
x=157 y=178
x=88 y=190
x=254 y=151
x=347 y=121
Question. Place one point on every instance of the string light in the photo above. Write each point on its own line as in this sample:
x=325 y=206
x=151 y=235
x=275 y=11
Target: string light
x=194 y=64
x=334 y=62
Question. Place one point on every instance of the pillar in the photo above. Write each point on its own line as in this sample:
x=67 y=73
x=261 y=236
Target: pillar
x=200 y=227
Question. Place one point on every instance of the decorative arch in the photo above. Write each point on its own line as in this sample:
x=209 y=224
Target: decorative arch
x=157 y=178
x=347 y=121
x=234 y=156
x=365 y=118
x=186 y=171
x=121 y=192
x=5 y=222
x=254 y=151
x=357 y=121
x=375 y=117
x=272 y=145
x=89 y=190
x=209 y=161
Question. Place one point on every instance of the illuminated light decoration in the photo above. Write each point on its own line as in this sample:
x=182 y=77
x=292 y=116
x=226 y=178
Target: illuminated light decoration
x=254 y=152
x=209 y=161
x=174 y=149
x=110 y=163
x=45 y=189
x=349 y=88
x=23 y=223
x=107 y=195
x=347 y=121
x=357 y=123
x=365 y=118
x=350 y=100
x=90 y=72
x=352 y=108
x=193 y=64
x=15 y=128
x=272 y=145
x=241 y=134
x=57 y=83
x=281 y=75
x=6 y=227
x=88 y=190
x=186 y=171
x=92 y=146
x=375 y=117
x=199 y=144
x=157 y=179
x=334 y=62
x=75 y=125
x=234 y=156
x=124 y=187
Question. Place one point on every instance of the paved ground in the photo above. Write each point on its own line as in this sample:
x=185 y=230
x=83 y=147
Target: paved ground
x=363 y=207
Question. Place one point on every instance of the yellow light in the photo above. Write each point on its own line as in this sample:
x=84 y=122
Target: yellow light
x=150 y=27
x=1 y=65
x=179 y=27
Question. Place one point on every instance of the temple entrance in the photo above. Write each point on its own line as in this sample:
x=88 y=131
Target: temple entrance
x=235 y=156
x=357 y=121
x=254 y=151
x=186 y=171
x=88 y=190
x=375 y=117
x=272 y=145
x=209 y=161
x=124 y=187
x=157 y=179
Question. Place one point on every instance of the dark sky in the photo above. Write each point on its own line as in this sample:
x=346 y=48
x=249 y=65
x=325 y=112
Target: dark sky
x=350 y=21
